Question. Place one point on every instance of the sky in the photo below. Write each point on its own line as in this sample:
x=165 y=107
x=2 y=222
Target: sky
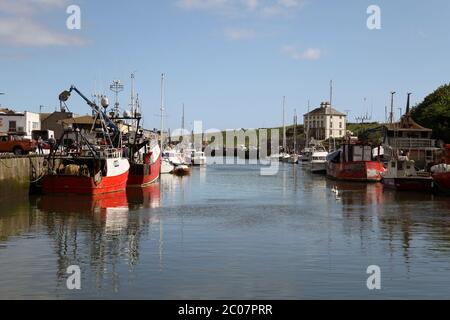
x=229 y=61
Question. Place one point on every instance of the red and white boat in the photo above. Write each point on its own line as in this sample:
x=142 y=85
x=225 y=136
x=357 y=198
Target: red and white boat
x=441 y=173
x=91 y=166
x=354 y=162
x=88 y=175
x=148 y=171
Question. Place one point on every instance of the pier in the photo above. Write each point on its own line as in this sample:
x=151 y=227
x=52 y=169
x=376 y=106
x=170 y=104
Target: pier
x=21 y=171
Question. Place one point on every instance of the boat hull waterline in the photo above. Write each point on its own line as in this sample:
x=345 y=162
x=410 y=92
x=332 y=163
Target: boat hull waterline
x=142 y=175
x=362 y=171
x=416 y=184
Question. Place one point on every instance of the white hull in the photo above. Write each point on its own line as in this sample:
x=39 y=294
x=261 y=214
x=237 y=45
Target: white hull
x=199 y=161
x=166 y=167
x=318 y=167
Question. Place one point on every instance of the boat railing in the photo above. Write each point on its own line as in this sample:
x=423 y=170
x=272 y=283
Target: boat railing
x=411 y=143
x=111 y=153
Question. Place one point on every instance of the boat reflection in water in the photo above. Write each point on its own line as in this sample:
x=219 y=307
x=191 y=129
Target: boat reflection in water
x=110 y=210
x=102 y=231
x=144 y=198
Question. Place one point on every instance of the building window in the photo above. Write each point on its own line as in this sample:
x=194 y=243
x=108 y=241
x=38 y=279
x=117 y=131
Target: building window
x=340 y=125
x=12 y=126
x=331 y=132
x=340 y=133
x=35 y=125
x=331 y=124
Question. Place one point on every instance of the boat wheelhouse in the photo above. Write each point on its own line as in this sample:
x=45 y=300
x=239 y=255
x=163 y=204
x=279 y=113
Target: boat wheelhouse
x=354 y=162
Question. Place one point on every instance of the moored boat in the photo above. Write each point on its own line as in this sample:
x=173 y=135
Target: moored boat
x=306 y=154
x=147 y=171
x=294 y=159
x=182 y=170
x=90 y=166
x=402 y=175
x=194 y=157
x=441 y=173
x=166 y=166
x=87 y=174
x=354 y=162
x=319 y=161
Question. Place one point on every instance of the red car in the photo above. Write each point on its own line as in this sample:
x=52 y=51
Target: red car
x=17 y=145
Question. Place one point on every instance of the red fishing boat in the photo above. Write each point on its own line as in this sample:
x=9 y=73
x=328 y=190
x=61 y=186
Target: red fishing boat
x=441 y=173
x=354 y=162
x=93 y=164
x=147 y=171
x=86 y=174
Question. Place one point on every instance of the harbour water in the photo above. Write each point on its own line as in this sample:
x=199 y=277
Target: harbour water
x=226 y=232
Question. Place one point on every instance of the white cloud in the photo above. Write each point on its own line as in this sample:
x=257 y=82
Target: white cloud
x=308 y=54
x=239 y=34
x=242 y=7
x=21 y=26
x=28 y=33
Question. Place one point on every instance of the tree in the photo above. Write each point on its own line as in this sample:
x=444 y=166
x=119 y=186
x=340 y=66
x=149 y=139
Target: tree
x=434 y=113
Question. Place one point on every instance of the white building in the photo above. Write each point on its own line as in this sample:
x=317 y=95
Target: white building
x=325 y=122
x=19 y=123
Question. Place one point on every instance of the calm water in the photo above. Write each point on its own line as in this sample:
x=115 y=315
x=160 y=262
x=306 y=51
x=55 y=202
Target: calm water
x=227 y=233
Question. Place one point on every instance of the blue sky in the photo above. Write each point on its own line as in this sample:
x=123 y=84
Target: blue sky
x=229 y=61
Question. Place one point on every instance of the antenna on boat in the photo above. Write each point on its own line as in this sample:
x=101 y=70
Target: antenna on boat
x=116 y=87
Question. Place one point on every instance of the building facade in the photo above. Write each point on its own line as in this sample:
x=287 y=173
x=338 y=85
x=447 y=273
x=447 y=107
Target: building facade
x=52 y=121
x=17 y=123
x=409 y=138
x=325 y=123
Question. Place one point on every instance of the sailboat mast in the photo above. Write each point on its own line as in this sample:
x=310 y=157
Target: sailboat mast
x=182 y=120
x=295 y=131
x=162 y=112
x=307 y=126
x=284 y=124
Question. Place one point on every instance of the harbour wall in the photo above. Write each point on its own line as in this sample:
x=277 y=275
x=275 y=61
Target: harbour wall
x=20 y=172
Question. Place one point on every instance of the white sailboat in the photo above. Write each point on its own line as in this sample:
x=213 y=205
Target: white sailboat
x=284 y=156
x=166 y=166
